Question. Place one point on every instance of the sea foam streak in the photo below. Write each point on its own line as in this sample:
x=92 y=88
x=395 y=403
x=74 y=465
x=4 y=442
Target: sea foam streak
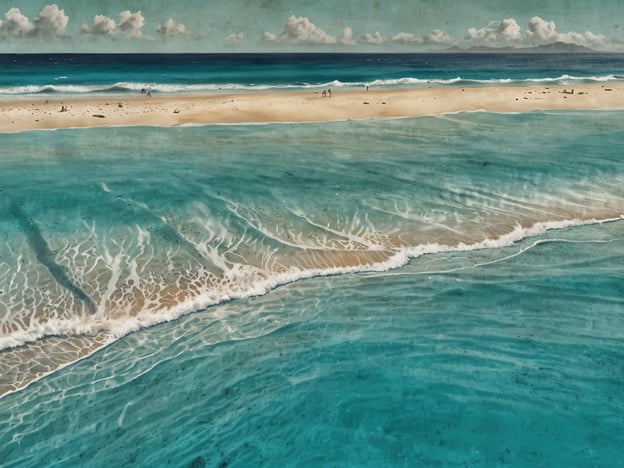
x=121 y=290
x=135 y=87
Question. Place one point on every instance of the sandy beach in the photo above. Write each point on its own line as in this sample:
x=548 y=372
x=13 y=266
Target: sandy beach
x=171 y=110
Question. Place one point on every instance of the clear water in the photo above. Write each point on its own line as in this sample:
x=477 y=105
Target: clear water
x=516 y=362
x=429 y=291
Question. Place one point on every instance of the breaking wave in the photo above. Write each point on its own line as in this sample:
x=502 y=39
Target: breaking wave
x=170 y=88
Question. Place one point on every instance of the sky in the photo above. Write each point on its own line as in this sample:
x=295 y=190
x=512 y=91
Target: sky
x=304 y=25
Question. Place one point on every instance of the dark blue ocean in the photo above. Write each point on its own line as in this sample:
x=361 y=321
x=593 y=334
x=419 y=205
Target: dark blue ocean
x=431 y=291
x=192 y=73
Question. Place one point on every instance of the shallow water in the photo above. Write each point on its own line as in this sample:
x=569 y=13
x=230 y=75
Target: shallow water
x=433 y=290
x=516 y=361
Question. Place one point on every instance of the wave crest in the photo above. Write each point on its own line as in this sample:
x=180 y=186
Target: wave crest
x=136 y=87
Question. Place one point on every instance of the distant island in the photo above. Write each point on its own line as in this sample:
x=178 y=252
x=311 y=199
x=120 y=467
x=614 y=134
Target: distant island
x=554 y=48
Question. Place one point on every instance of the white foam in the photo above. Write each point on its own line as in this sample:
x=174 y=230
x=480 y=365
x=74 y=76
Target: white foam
x=136 y=87
x=243 y=281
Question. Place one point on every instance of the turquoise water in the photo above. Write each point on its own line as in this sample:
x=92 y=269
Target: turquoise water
x=489 y=366
x=429 y=291
x=60 y=74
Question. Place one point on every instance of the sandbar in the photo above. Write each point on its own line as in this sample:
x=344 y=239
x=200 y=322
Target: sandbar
x=21 y=114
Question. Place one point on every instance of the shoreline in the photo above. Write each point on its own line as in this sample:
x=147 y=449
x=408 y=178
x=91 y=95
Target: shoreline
x=48 y=113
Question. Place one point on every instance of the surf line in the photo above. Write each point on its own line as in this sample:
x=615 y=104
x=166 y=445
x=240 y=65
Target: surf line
x=45 y=256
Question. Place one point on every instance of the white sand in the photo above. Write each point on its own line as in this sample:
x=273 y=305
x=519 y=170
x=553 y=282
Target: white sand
x=170 y=110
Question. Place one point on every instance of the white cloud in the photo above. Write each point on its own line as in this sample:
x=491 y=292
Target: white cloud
x=597 y=41
x=128 y=26
x=347 y=37
x=50 y=23
x=269 y=37
x=376 y=38
x=171 y=28
x=300 y=30
x=234 y=38
x=102 y=26
x=589 y=39
x=403 y=38
x=504 y=31
x=540 y=31
x=436 y=37
x=15 y=24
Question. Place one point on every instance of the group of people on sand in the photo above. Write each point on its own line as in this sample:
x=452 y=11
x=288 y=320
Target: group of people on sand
x=146 y=92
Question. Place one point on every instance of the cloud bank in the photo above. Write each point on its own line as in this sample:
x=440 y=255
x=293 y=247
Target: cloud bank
x=540 y=31
x=50 y=23
x=300 y=32
x=128 y=25
x=436 y=37
x=171 y=28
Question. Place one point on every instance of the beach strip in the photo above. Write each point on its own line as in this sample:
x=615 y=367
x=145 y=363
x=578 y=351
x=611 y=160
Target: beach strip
x=20 y=114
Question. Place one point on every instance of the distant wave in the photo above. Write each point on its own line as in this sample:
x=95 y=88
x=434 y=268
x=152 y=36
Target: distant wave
x=563 y=79
x=136 y=87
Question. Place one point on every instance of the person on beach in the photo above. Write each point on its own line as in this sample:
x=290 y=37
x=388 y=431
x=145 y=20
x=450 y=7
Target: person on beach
x=329 y=93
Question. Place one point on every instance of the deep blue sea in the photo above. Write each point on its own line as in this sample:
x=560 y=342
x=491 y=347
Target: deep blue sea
x=431 y=291
x=192 y=73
